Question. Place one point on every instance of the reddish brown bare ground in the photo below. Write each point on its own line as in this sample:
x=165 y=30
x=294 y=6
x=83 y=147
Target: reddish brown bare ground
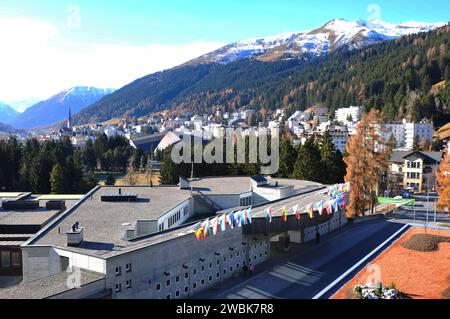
x=420 y=275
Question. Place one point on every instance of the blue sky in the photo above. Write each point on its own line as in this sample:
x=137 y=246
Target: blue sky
x=178 y=21
x=110 y=43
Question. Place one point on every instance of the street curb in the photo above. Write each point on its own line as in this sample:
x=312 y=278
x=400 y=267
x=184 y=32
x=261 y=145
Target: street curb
x=359 y=263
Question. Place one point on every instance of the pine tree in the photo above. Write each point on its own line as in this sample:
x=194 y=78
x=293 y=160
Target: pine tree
x=309 y=163
x=416 y=143
x=333 y=164
x=287 y=158
x=57 y=179
x=367 y=160
x=110 y=181
x=169 y=170
x=89 y=158
x=443 y=182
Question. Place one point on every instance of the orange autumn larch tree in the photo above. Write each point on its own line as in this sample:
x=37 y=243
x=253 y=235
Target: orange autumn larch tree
x=367 y=161
x=443 y=182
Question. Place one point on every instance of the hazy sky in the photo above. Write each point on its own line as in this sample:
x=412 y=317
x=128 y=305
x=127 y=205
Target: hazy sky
x=48 y=46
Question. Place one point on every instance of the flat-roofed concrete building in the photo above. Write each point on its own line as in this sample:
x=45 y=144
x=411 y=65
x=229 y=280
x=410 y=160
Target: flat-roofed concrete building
x=117 y=235
x=22 y=215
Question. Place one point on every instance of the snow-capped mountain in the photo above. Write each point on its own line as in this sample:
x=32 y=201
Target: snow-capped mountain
x=7 y=113
x=56 y=108
x=329 y=37
x=21 y=106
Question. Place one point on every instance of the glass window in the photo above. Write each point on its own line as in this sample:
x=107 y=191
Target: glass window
x=129 y=267
x=118 y=271
x=15 y=257
x=158 y=287
x=177 y=279
x=128 y=284
x=177 y=293
x=186 y=289
x=118 y=287
x=5 y=259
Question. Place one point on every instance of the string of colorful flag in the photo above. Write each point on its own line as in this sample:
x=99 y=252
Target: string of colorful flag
x=219 y=224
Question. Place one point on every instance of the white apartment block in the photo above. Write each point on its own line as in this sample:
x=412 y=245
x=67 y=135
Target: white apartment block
x=343 y=114
x=404 y=133
x=423 y=130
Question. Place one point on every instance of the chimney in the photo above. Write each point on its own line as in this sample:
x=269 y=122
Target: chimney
x=75 y=235
x=184 y=183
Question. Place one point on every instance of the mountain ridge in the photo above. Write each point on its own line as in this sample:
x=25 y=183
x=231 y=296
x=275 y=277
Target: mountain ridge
x=7 y=113
x=325 y=39
x=56 y=108
x=254 y=83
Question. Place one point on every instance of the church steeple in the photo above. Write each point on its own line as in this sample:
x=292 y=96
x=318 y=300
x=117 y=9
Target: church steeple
x=69 y=121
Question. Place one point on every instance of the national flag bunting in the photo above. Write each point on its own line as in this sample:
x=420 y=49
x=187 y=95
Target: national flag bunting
x=269 y=214
x=249 y=215
x=296 y=211
x=284 y=214
x=310 y=211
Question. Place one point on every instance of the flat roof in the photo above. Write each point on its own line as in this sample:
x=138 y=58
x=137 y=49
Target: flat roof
x=242 y=184
x=39 y=216
x=103 y=222
x=258 y=212
x=48 y=286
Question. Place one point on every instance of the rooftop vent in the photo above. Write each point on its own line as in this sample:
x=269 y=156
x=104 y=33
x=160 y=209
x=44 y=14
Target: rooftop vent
x=55 y=205
x=120 y=197
x=259 y=181
x=75 y=235
x=184 y=183
x=20 y=205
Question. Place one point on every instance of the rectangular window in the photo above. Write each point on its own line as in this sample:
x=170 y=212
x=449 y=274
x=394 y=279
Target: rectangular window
x=186 y=275
x=128 y=284
x=177 y=293
x=129 y=267
x=5 y=259
x=118 y=271
x=186 y=289
x=15 y=259
x=168 y=283
x=177 y=279
x=158 y=287
x=118 y=287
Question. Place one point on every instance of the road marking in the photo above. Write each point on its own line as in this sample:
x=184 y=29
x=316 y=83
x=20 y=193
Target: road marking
x=345 y=274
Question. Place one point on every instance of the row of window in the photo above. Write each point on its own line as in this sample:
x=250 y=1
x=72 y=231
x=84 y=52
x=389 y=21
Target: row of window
x=413 y=175
x=246 y=201
x=9 y=259
x=128 y=285
x=174 y=219
x=128 y=268
x=413 y=164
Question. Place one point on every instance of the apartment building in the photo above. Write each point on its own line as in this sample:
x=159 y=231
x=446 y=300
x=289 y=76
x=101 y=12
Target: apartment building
x=417 y=168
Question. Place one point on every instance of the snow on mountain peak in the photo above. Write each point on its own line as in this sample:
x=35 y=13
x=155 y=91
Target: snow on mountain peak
x=329 y=37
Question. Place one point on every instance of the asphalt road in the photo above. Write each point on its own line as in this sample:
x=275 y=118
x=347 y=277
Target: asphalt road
x=308 y=269
x=418 y=215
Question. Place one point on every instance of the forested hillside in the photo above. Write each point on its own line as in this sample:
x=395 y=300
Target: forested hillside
x=397 y=77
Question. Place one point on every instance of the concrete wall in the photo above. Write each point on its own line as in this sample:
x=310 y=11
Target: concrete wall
x=273 y=193
x=36 y=263
x=189 y=265
x=82 y=261
x=84 y=291
x=40 y=262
